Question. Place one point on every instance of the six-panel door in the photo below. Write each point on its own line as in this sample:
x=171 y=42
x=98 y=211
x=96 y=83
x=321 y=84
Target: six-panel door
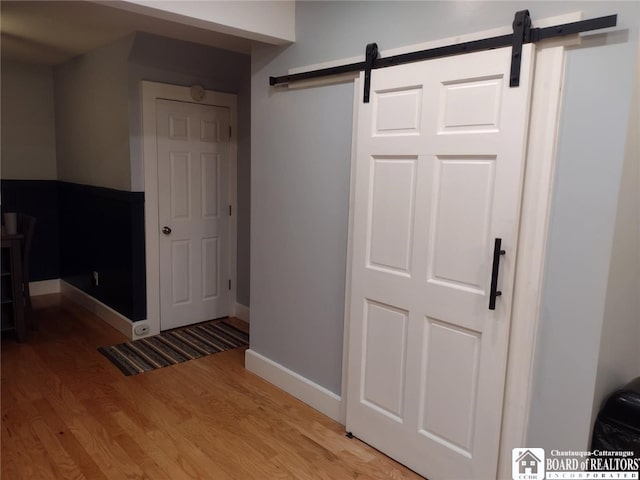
x=438 y=175
x=193 y=156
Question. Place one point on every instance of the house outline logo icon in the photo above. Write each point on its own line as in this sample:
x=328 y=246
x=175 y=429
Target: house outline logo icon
x=528 y=464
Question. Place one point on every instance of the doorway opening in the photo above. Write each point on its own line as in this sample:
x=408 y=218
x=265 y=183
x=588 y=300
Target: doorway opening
x=198 y=188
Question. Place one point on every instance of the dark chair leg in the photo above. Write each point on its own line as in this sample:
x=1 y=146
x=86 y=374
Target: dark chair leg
x=26 y=226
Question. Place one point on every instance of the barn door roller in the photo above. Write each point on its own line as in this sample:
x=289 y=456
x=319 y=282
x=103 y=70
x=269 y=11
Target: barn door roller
x=522 y=34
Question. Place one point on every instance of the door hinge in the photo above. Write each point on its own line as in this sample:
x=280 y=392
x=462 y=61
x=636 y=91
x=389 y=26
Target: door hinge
x=229 y=131
x=229 y=284
x=229 y=210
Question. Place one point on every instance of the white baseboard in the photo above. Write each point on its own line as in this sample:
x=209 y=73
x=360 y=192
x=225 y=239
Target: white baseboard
x=300 y=387
x=44 y=287
x=106 y=313
x=241 y=311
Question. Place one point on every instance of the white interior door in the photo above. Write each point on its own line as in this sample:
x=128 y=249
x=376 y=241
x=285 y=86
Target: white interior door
x=193 y=162
x=438 y=176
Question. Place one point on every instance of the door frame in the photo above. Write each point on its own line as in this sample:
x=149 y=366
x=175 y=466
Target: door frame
x=152 y=91
x=532 y=237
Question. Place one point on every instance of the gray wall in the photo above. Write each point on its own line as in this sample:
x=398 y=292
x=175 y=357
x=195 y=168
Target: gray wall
x=92 y=127
x=165 y=60
x=28 y=122
x=300 y=191
x=591 y=152
x=619 y=359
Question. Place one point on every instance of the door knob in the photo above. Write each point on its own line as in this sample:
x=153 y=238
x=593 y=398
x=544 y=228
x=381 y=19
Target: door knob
x=166 y=230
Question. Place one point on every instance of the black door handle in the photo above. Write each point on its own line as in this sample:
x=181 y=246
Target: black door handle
x=166 y=230
x=494 y=292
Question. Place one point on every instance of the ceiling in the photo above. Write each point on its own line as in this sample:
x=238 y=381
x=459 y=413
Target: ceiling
x=52 y=32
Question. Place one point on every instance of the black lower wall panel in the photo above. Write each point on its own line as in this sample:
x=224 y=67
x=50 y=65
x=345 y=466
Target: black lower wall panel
x=102 y=230
x=38 y=198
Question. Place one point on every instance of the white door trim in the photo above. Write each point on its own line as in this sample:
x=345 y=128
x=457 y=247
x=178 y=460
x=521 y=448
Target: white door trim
x=150 y=92
x=532 y=239
x=532 y=243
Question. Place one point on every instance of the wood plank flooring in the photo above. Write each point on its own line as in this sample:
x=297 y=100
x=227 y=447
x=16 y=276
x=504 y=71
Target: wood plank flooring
x=67 y=413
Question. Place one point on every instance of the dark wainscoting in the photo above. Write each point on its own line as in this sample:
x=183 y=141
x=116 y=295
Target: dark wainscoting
x=102 y=230
x=81 y=229
x=38 y=198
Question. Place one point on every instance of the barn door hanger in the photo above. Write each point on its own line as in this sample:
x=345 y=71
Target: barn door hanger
x=522 y=34
x=371 y=55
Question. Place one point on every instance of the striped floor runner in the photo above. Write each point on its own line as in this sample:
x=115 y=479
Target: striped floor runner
x=174 y=346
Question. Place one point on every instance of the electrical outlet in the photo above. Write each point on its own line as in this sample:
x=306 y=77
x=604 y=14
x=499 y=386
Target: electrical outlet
x=96 y=279
x=142 y=329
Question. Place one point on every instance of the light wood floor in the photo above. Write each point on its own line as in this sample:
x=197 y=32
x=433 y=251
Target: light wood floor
x=67 y=413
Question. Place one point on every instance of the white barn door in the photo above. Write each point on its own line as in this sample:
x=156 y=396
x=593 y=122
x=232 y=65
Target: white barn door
x=193 y=162
x=438 y=177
